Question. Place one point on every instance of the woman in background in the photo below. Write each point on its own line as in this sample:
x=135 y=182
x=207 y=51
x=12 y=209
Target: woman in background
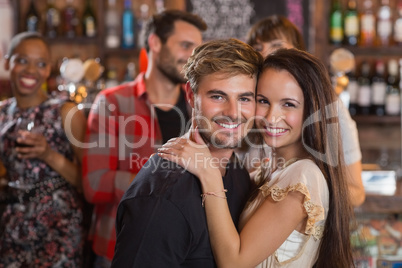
x=42 y=222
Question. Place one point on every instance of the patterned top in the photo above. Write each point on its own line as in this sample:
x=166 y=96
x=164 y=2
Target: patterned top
x=123 y=132
x=36 y=230
x=304 y=176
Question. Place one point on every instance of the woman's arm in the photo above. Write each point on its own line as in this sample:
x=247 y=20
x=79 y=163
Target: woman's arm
x=74 y=126
x=265 y=231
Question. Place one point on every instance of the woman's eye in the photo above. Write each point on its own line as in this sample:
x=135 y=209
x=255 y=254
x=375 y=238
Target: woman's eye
x=21 y=61
x=42 y=64
x=263 y=101
x=289 y=104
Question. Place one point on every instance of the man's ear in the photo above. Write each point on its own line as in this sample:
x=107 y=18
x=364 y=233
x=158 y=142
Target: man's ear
x=155 y=43
x=190 y=94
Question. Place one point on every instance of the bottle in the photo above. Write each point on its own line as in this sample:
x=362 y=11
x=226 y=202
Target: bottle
x=353 y=89
x=398 y=25
x=364 y=94
x=128 y=25
x=351 y=24
x=144 y=16
x=89 y=26
x=160 y=6
x=111 y=78
x=367 y=24
x=384 y=23
x=52 y=20
x=393 y=98
x=336 y=27
x=32 y=19
x=70 y=20
x=130 y=72
x=379 y=88
x=112 y=23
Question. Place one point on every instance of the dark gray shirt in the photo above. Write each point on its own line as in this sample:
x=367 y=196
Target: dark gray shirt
x=160 y=221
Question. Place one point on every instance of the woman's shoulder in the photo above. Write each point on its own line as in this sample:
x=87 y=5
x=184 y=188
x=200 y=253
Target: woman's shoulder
x=304 y=171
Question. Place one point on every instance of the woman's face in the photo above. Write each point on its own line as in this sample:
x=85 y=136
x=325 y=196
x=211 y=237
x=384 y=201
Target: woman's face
x=279 y=112
x=29 y=67
x=266 y=48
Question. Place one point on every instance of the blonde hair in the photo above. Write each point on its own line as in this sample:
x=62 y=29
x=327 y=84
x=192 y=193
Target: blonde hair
x=229 y=57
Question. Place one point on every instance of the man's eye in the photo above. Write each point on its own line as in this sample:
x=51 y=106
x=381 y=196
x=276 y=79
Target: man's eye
x=245 y=99
x=258 y=48
x=216 y=97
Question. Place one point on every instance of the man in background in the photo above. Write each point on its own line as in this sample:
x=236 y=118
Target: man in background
x=128 y=122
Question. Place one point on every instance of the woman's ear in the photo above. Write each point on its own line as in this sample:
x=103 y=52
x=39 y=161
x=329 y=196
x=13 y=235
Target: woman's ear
x=155 y=43
x=190 y=94
x=7 y=64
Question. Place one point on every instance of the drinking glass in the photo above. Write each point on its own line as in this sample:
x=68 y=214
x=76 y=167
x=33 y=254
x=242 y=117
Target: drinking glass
x=23 y=124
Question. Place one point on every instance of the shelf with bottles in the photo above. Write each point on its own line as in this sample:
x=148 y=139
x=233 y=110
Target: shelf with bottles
x=374 y=91
x=366 y=26
x=69 y=19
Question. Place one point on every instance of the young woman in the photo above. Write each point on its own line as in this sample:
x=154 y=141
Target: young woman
x=274 y=32
x=299 y=215
x=42 y=221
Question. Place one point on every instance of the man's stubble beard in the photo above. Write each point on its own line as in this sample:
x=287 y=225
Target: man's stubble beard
x=167 y=66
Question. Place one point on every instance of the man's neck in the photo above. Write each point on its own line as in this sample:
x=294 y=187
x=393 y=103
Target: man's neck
x=221 y=158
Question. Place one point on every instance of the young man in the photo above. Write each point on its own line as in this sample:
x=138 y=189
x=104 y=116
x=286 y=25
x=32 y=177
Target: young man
x=160 y=220
x=128 y=122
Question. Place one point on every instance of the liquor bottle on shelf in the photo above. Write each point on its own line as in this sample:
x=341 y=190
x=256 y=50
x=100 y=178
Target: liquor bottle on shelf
x=128 y=23
x=353 y=89
x=144 y=16
x=89 y=25
x=70 y=20
x=32 y=18
x=393 y=98
x=52 y=20
x=351 y=24
x=111 y=78
x=384 y=23
x=112 y=25
x=130 y=72
x=398 y=25
x=365 y=91
x=336 y=23
x=160 y=6
x=367 y=24
x=379 y=88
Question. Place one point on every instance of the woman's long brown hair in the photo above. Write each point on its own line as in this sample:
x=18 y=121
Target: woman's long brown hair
x=321 y=139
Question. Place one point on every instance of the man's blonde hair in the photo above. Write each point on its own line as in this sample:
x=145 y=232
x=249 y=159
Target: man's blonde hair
x=229 y=57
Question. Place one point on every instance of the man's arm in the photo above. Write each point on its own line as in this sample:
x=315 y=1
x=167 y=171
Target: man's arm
x=151 y=232
x=103 y=182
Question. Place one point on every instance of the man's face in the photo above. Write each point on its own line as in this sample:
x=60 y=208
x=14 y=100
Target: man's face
x=177 y=49
x=224 y=109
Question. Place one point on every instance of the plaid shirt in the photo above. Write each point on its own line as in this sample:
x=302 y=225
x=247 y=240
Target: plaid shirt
x=122 y=134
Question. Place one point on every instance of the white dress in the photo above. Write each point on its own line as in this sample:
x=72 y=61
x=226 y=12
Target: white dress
x=304 y=176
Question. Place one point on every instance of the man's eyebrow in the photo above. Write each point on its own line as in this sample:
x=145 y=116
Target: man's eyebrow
x=220 y=92
x=217 y=91
x=248 y=94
